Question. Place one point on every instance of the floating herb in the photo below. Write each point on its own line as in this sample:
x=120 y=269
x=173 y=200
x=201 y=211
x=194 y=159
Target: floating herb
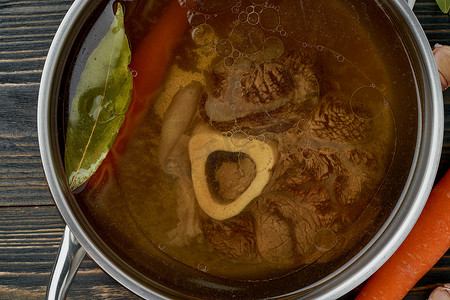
x=99 y=105
x=444 y=5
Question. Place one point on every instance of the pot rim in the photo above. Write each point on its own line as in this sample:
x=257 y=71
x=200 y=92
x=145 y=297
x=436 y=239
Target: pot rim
x=347 y=277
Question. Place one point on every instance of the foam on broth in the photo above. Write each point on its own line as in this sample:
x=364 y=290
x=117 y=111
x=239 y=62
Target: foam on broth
x=309 y=79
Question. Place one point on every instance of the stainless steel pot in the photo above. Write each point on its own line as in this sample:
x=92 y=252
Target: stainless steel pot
x=80 y=238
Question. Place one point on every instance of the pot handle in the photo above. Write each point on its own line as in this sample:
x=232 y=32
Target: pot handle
x=69 y=257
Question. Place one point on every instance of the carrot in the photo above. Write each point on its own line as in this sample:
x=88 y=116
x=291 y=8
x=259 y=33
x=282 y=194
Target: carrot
x=150 y=61
x=423 y=247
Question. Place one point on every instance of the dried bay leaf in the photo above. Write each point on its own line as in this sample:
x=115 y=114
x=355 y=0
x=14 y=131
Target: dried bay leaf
x=444 y=5
x=99 y=105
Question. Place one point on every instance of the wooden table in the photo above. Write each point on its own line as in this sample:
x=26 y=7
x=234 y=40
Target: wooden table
x=30 y=226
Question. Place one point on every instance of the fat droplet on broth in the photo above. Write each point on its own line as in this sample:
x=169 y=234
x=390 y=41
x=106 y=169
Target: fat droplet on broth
x=307 y=153
x=325 y=239
x=227 y=133
x=367 y=102
x=239 y=139
x=224 y=48
x=134 y=73
x=237 y=93
x=228 y=61
x=340 y=58
x=203 y=34
x=242 y=17
x=244 y=63
x=273 y=48
x=202 y=267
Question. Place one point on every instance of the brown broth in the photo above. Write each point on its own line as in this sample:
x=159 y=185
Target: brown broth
x=330 y=188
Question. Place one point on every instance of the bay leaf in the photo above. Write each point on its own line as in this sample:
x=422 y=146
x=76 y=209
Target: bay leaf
x=444 y=5
x=98 y=108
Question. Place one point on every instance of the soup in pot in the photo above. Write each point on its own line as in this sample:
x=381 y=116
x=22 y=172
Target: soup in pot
x=265 y=144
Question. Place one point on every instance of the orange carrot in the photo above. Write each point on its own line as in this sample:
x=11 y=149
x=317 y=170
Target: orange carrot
x=423 y=247
x=150 y=61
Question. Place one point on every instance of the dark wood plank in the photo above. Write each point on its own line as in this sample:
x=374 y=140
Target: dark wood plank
x=26 y=31
x=22 y=180
x=23 y=48
x=435 y=24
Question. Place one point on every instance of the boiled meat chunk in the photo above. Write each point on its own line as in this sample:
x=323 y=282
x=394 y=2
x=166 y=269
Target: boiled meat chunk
x=270 y=96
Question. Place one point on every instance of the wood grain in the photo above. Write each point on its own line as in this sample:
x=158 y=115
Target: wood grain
x=29 y=241
x=26 y=31
x=22 y=180
x=30 y=226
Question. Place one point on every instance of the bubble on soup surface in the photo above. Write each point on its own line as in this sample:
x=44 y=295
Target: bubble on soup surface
x=196 y=19
x=202 y=267
x=273 y=48
x=162 y=247
x=203 y=34
x=253 y=18
x=242 y=17
x=269 y=19
x=325 y=239
x=239 y=139
x=340 y=58
x=237 y=93
x=228 y=61
x=367 y=102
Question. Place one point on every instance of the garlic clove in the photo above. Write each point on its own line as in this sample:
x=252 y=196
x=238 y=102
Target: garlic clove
x=441 y=293
x=442 y=58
